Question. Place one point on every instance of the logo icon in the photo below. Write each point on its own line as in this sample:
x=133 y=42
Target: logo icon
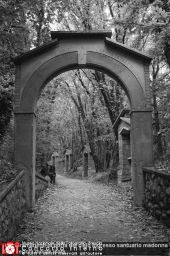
x=10 y=248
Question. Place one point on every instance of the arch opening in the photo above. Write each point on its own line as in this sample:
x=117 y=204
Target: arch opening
x=88 y=67
x=86 y=96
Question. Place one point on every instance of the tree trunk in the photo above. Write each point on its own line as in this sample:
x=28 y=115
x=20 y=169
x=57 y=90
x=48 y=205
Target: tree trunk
x=96 y=159
x=157 y=122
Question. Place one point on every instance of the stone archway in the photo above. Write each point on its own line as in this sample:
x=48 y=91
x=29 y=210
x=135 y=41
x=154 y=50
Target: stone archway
x=70 y=50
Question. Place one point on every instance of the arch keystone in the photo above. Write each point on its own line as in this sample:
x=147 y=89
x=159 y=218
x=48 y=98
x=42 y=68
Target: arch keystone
x=82 y=56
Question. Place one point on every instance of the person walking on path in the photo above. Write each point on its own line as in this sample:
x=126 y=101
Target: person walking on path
x=43 y=171
x=52 y=174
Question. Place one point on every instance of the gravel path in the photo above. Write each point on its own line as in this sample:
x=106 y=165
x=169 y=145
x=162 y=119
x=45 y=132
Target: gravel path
x=75 y=210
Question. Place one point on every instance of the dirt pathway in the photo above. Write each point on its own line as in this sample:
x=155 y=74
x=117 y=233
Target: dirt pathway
x=75 y=210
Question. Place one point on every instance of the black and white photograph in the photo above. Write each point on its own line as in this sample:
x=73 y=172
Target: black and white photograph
x=85 y=127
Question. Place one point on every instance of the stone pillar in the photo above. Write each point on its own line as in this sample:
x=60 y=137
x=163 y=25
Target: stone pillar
x=124 y=154
x=67 y=162
x=70 y=161
x=85 y=164
x=142 y=150
x=24 y=152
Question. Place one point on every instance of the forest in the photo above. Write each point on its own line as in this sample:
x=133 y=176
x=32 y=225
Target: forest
x=80 y=107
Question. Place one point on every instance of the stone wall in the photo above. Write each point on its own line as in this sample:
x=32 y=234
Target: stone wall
x=40 y=185
x=13 y=204
x=12 y=207
x=157 y=194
